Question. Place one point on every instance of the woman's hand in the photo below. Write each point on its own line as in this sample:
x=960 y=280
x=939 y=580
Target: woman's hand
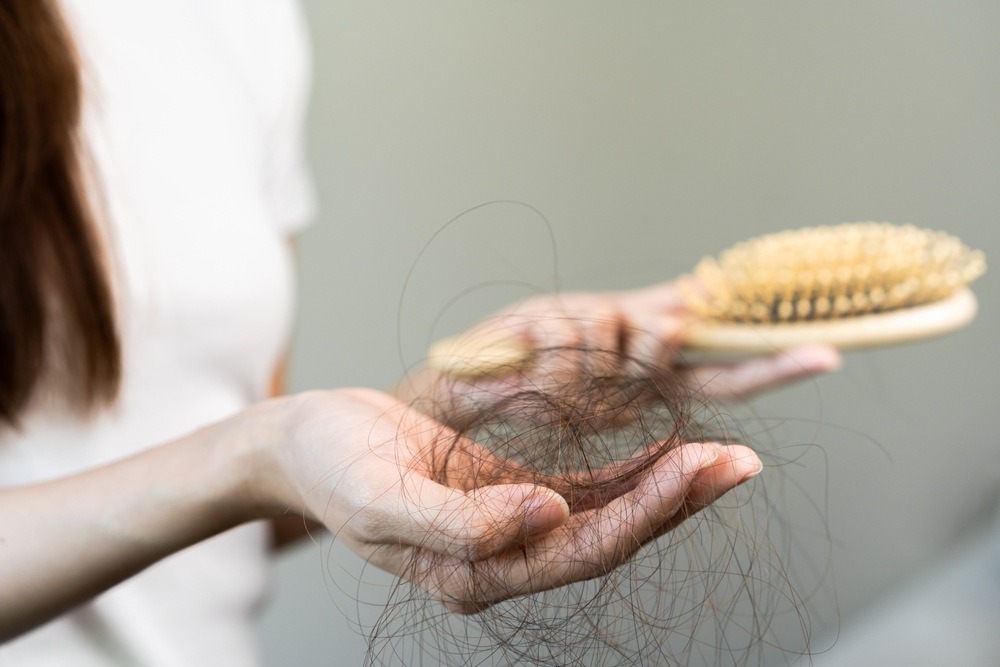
x=541 y=344
x=365 y=466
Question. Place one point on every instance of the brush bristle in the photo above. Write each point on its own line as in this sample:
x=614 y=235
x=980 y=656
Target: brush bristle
x=832 y=272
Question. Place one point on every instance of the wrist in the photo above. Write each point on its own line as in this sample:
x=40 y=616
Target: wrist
x=197 y=486
x=249 y=469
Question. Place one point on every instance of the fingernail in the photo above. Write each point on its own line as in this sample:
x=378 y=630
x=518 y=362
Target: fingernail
x=750 y=475
x=748 y=464
x=544 y=513
x=707 y=455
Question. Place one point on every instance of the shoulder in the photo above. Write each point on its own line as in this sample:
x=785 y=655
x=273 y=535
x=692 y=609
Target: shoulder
x=266 y=41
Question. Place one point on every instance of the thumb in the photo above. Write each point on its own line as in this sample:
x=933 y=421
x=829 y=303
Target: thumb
x=474 y=525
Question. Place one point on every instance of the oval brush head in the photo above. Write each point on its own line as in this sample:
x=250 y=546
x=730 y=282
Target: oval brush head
x=848 y=285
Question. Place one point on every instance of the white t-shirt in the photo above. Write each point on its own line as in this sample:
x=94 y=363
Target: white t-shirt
x=192 y=119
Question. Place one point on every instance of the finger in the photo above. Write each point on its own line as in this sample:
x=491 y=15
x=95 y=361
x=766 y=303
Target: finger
x=642 y=326
x=653 y=341
x=582 y=331
x=469 y=525
x=590 y=544
x=758 y=373
x=736 y=464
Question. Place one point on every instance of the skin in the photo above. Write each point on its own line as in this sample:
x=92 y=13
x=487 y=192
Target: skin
x=646 y=325
x=357 y=461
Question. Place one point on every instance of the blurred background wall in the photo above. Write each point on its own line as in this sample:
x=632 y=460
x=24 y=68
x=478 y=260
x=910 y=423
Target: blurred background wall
x=651 y=133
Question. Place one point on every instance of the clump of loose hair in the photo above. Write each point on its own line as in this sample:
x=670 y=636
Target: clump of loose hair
x=703 y=593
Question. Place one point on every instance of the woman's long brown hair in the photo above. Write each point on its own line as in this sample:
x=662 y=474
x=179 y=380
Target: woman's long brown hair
x=51 y=264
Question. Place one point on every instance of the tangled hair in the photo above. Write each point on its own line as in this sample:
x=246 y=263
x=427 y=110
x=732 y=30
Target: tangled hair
x=704 y=593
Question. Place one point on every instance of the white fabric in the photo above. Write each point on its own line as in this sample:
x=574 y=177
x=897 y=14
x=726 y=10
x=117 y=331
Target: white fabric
x=192 y=119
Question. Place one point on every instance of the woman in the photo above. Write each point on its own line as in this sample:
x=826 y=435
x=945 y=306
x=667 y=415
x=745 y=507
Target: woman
x=146 y=296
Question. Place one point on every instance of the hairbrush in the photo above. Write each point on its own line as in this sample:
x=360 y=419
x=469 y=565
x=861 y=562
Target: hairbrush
x=850 y=285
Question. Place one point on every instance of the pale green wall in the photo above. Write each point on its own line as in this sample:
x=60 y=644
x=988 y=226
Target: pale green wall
x=651 y=133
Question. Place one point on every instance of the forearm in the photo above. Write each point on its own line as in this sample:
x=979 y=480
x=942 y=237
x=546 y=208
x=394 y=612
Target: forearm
x=64 y=541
